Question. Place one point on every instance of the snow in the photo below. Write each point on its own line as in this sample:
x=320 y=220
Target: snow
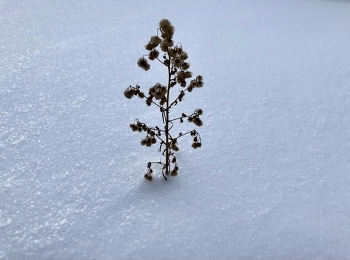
x=271 y=180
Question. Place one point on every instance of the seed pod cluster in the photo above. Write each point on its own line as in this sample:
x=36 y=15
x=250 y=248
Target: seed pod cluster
x=133 y=91
x=195 y=83
x=173 y=145
x=196 y=139
x=148 y=141
x=148 y=175
x=174 y=171
x=138 y=126
x=194 y=118
x=158 y=91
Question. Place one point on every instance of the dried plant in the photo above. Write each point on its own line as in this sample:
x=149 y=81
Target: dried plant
x=174 y=58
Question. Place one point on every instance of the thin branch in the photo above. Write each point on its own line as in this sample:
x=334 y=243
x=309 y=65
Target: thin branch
x=181 y=134
x=161 y=62
x=156 y=104
x=181 y=95
x=181 y=117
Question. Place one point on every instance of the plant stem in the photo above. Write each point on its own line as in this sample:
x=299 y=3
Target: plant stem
x=167 y=145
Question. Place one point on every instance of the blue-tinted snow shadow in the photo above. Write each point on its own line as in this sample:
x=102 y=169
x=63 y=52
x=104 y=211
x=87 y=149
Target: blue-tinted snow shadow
x=158 y=186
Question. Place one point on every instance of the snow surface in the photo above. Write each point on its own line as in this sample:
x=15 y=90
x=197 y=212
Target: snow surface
x=271 y=180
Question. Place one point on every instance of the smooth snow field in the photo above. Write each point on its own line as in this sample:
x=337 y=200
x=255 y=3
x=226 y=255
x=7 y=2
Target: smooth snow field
x=271 y=180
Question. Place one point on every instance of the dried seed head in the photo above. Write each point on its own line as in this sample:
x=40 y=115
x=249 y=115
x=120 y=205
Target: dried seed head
x=181 y=81
x=197 y=121
x=174 y=147
x=149 y=101
x=171 y=52
x=141 y=95
x=147 y=141
x=181 y=75
x=168 y=42
x=166 y=62
x=164 y=47
x=133 y=127
x=199 y=81
x=143 y=63
x=199 y=111
x=183 y=56
x=193 y=83
x=128 y=93
x=188 y=74
x=148 y=177
x=182 y=94
x=173 y=173
x=185 y=65
x=156 y=40
x=195 y=145
x=153 y=54
x=158 y=91
x=177 y=62
x=153 y=43
x=179 y=50
x=166 y=28
x=149 y=46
